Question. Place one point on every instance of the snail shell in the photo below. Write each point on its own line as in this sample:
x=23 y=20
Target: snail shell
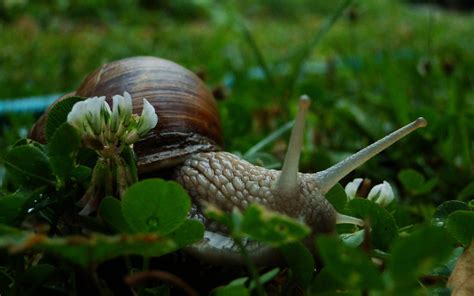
x=189 y=120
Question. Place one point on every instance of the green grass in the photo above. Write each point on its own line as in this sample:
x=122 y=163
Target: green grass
x=381 y=65
x=364 y=76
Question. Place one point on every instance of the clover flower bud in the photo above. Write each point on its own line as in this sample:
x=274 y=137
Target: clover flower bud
x=131 y=137
x=352 y=187
x=382 y=194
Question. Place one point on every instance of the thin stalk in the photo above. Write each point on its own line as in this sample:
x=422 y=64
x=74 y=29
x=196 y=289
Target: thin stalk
x=306 y=51
x=269 y=139
x=247 y=34
x=109 y=172
x=257 y=52
x=288 y=180
x=146 y=263
x=103 y=291
x=251 y=267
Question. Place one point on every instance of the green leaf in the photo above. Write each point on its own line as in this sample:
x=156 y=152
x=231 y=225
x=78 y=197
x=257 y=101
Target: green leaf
x=110 y=210
x=442 y=211
x=301 y=262
x=62 y=150
x=239 y=285
x=88 y=251
x=415 y=182
x=447 y=267
x=348 y=265
x=271 y=227
x=417 y=254
x=28 y=166
x=383 y=225
x=11 y=206
x=23 y=142
x=231 y=291
x=87 y=157
x=9 y=230
x=129 y=156
x=460 y=225
x=189 y=232
x=58 y=115
x=33 y=278
x=325 y=284
x=155 y=205
x=214 y=213
x=337 y=197
x=411 y=179
x=428 y=186
x=467 y=192
x=264 y=278
x=81 y=174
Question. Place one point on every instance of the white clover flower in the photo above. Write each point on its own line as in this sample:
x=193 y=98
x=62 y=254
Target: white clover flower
x=382 y=194
x=86 y=115
x=147 y=120
x=122 y=111
x=94 y=119
x=74 y=117
x=94 y=107
x=352 y=187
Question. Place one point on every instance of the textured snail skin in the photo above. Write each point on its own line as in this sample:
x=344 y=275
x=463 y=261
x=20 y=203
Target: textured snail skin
x=226 y=181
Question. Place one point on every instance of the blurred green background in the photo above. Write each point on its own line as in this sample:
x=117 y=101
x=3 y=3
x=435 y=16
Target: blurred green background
x=382 y=64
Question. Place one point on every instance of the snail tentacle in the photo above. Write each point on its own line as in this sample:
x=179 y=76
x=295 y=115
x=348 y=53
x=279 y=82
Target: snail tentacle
x=329 y=177
x=344 y=219
x=288 y=180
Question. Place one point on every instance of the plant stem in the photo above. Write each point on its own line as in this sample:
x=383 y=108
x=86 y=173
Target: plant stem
x=146 y=263
x=251 y=41
x=306 y=50
x=257 y=52
x=269 y=139
x=251 y=267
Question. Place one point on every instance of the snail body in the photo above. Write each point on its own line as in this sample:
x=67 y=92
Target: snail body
x=187 y=143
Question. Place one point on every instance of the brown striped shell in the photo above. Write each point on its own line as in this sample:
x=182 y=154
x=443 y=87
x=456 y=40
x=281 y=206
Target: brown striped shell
x=188 y=116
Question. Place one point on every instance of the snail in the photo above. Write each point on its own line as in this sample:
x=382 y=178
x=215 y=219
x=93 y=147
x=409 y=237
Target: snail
x=187 y=142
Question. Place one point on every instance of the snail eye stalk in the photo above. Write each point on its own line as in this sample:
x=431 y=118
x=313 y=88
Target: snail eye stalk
x=329 y=177
x=288 y=180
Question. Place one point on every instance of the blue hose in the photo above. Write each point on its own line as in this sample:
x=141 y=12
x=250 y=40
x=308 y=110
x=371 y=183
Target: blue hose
x=34 y=104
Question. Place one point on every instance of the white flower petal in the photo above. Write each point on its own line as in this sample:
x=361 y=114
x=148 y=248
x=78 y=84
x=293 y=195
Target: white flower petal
x=87 y=115
x=352 y=187
x=94 y=107
x=382 y=194
x=122 y=111
x=116 y=103
x=374 y=192
x=127 y=103
x=74 y=117
x=148 y=119
x=105 y=106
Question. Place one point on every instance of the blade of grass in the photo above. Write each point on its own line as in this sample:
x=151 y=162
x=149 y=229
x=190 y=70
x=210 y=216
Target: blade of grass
x=269 y=139
x=249 y=38
x=309 y=47
x=257 y=52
